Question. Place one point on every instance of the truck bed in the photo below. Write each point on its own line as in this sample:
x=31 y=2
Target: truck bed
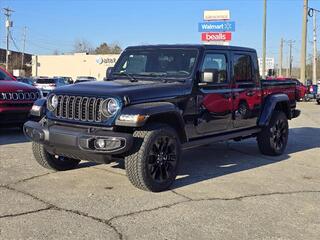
x=276 y=86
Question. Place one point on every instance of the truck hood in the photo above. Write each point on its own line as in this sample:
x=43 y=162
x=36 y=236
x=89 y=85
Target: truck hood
x=136 y=91
x=13 y=86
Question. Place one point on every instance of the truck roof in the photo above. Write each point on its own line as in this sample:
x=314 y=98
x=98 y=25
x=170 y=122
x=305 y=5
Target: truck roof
x=198 y=46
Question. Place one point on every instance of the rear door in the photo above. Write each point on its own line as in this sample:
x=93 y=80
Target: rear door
x=214 y=102
x=246 y=89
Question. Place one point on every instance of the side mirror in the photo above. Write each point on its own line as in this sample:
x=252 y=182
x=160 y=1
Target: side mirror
x=108 y=73
x=209 y=76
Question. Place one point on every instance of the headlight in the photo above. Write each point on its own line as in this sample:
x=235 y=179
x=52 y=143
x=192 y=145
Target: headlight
x=109 y=107
x=52 y=102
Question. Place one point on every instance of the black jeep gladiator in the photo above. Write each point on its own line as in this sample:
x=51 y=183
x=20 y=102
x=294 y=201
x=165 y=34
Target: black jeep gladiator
x=157 y=101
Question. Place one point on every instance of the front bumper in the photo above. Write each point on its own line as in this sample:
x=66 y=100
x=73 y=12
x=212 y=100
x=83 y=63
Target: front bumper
x=79 y=143
x=14 y=116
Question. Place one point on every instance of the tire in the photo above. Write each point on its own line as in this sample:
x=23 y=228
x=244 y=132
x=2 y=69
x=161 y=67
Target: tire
x=318 y=101
x=153 y=162
x=49 y=161
x=273 y=139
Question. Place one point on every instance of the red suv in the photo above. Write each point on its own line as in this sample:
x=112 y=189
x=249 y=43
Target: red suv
x=16 y=99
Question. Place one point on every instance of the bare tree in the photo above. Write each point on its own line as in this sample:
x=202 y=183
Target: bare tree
x=82 y=46
x=56 y=52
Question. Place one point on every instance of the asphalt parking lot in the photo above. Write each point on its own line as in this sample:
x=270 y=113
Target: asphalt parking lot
x=224 y=191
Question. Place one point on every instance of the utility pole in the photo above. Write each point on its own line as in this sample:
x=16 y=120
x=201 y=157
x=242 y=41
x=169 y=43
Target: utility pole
x=264 y=39
x=7 y=13
x=290 y=42
x=314 y=75
x=280 y=57
x=313 y=13
x=304 y=42
x=24 y=46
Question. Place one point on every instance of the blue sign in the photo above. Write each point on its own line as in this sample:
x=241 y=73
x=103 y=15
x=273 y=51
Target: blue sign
x=217 y=26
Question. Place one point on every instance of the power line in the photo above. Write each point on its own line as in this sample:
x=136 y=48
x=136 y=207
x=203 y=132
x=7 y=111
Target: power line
x=14 y=42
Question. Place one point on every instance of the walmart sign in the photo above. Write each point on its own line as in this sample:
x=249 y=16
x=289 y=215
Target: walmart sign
x=217 y=26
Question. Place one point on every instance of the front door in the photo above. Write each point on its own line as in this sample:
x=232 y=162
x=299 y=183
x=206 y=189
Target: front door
x=214 y=102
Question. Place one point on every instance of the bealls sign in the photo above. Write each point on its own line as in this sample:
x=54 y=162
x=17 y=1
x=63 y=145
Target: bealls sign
x=225 y=36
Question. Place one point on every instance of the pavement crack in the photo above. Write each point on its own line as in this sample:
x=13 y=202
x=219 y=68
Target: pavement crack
x=31 y=178
x=259 y=195
x=25 y=180
x=147 y=210
x=181 y=195
x=188 y=200
x=86 y=215
x=54 y=207
x=25 y=213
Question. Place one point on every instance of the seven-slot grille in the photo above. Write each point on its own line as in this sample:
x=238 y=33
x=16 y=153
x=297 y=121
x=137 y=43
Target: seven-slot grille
x=79 y=108
x=19 y=96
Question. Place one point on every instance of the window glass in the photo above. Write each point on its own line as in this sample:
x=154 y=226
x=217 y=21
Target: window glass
x=4 y=76
x=216 y=63
x=242 y=68
x=45 y=81
x=171 y=63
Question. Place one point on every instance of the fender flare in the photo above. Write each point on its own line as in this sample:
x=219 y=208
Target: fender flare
x=269 y=106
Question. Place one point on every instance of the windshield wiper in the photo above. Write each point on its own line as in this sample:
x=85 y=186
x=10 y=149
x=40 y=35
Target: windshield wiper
x=155 y=74
x=131 y=77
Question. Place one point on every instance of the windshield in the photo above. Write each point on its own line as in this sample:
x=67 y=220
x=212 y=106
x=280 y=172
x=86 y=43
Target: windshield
x=171 y=63
x=45 y=81
x=4 y=76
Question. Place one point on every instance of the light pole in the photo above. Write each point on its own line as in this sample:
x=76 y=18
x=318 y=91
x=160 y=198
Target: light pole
x=264 y=39
x=313 y=13
x=304 y=42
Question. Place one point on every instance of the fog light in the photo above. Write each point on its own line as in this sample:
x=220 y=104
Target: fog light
x=100 y=143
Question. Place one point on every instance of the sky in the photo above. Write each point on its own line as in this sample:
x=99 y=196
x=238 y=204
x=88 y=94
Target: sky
x=57 y=24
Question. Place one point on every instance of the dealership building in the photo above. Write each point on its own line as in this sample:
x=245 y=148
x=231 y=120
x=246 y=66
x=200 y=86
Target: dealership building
x=73 y=65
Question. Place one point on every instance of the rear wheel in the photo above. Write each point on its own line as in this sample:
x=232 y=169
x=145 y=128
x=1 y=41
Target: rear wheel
x=272 y=140
x=153 y=163
x=53 y=162
x=318 y=101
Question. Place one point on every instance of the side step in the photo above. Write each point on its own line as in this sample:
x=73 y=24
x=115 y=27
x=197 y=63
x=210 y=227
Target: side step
x=220 y=138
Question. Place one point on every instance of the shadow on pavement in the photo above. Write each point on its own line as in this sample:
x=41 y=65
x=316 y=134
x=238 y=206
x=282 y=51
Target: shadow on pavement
x=214 y=160
x=11 y=135
x=220 y=159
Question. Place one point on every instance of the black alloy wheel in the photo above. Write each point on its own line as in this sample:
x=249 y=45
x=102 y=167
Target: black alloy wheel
x=162 y=158
x=279 y=134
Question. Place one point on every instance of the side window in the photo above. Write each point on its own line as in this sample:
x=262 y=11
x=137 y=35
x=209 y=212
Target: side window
x=242 y=68
x=217 y=64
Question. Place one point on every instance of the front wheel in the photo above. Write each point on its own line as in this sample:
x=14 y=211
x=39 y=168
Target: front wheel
x=153 y=163
x=273 y=139
x=53 y=162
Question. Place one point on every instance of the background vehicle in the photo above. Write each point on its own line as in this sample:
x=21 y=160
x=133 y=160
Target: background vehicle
x=68 y=80
x=16 y=99
x=301 y=89
x=85 y=79
x=25 y=80
x=159 y=100
x=312 y=91
x=46 y=85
